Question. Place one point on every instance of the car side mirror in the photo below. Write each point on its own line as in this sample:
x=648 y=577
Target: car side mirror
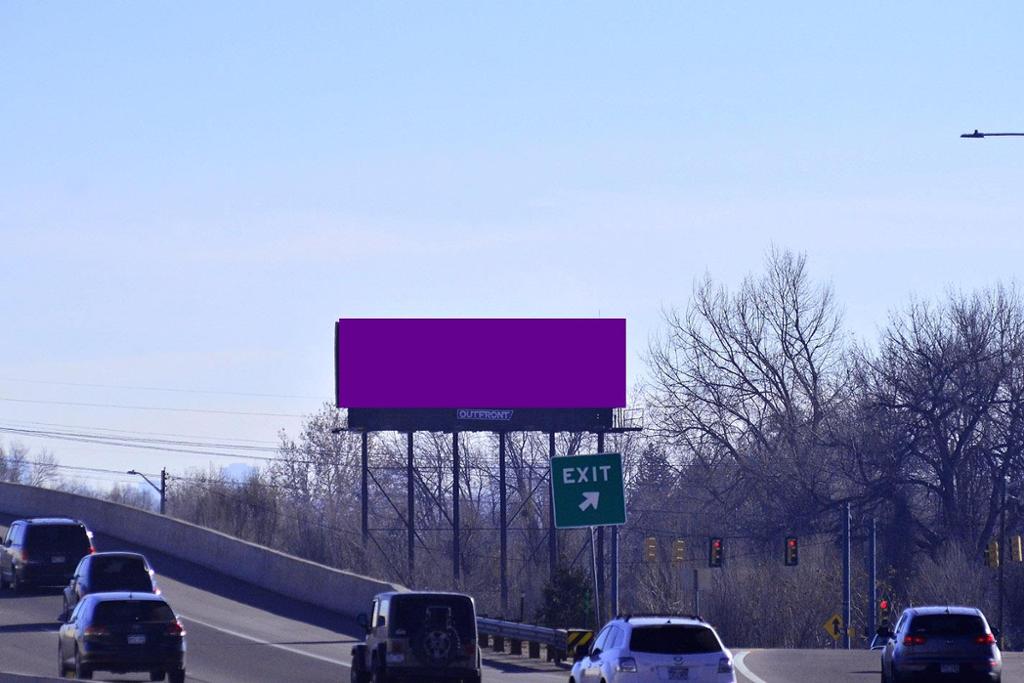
x=595 y=652
x=7 y=543
x=381 y=620
x=363 y=621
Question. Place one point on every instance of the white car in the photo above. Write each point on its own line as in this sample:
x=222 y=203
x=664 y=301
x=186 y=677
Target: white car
x=637 y=649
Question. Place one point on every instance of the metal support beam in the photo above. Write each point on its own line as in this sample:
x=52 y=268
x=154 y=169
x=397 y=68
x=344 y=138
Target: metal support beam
x=600 y=538
x=456 y=528
x=364 y=492
x=410 y=513
x=552 y=534
x=1004 y=556
x=503 y=523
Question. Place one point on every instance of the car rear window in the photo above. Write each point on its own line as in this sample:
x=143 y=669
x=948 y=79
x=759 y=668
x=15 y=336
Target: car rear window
x=128 y=611
x=674 y=639
x=411 y=612
x=58 y=536
x=119 y=574
x=947 y=625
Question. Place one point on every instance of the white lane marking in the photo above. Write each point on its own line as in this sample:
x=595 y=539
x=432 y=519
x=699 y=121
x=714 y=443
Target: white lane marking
x=253 y=639
x=742 y=668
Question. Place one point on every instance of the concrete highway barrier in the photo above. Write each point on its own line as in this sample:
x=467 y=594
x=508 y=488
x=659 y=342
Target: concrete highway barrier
x=341 y=591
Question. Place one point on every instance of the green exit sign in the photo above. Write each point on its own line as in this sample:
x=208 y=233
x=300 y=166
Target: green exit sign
x=588 y=490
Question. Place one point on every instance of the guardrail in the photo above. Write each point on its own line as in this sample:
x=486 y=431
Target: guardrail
x=554 y=639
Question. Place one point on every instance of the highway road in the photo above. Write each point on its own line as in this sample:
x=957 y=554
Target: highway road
x=831 y=666
x=239 y=632
x=236 y=631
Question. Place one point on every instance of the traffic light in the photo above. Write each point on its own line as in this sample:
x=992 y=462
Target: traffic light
x=715 y=550
x=678 y=551
x=1016 y=549
x=883 y=607
x=992 y=554
x=792 y=551
x=650 y=549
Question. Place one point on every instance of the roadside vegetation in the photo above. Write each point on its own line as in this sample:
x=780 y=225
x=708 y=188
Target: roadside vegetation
x=764 y=416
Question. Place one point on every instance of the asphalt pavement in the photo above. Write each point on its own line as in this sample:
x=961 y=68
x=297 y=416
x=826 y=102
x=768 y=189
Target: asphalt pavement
x=235 y=631
x=831 y=666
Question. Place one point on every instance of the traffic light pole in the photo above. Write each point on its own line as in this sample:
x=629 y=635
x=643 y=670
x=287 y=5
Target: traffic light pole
x=872 y=580
x=1002 y=564
x=846 y=576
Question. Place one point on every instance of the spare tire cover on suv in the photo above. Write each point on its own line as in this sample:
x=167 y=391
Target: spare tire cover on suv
x=436 y=625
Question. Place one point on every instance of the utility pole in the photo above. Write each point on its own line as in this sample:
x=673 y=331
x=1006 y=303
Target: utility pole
x=846 y=575
x=163 y=490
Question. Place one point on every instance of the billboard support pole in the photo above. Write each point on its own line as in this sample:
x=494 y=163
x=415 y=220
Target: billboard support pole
x=600 y=538
x=552 y=535
x=503 y=523
x=411 y=514
x=456 y=528
x=364 y=491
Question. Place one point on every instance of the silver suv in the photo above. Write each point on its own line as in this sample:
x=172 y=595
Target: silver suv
x=941 y=644
x=655 y=648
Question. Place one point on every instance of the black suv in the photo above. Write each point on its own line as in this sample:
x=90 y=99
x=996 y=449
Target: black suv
x=43 y=551
x=122 y=632
x=418 y=636
x=108 y=572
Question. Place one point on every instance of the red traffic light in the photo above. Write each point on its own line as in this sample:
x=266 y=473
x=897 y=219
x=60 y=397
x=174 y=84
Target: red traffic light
x=883 y=604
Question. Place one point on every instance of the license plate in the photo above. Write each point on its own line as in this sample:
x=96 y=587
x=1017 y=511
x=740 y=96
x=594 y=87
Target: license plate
x=136 y=640
x=949 y=668
x=57 y=559
x=678 y=673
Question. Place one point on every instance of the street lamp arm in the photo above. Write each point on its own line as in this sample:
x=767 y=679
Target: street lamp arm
x=155 y=487
x=979 y=134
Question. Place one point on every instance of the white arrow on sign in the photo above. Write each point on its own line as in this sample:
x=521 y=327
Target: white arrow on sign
x=590 y=499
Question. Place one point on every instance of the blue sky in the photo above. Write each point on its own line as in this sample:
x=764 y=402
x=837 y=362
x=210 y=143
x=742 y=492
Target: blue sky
x=191 y=193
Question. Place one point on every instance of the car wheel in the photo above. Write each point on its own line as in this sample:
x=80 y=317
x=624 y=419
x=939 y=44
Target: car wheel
x=176 y=676
x=157 y=675
x=81 y=670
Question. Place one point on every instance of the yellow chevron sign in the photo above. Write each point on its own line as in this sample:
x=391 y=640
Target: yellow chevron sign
x=578 y=639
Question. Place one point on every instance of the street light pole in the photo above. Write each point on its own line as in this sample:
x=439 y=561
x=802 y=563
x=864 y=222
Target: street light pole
x=162 y=489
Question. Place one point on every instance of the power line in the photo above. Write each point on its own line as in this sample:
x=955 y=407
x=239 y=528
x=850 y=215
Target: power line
x=154 y=408
x=164 y=389
x=130 y=431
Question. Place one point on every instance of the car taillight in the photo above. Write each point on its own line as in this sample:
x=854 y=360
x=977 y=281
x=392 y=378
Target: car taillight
x=985 y=639
x=914 y=640
x=95 y=631
x=175 y=629
x=92 y=550
x=626 y=665
x=24 y=557
x=396 y=646
x=469 y=649
x=725 y=665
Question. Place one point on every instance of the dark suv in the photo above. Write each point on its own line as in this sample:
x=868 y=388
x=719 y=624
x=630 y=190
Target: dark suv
x=108 y=572
x=122 y=633
x=43 y=551
x=941 y=644
x=418 y=637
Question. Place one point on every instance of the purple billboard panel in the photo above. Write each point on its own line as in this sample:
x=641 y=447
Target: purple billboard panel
x=481 y=363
